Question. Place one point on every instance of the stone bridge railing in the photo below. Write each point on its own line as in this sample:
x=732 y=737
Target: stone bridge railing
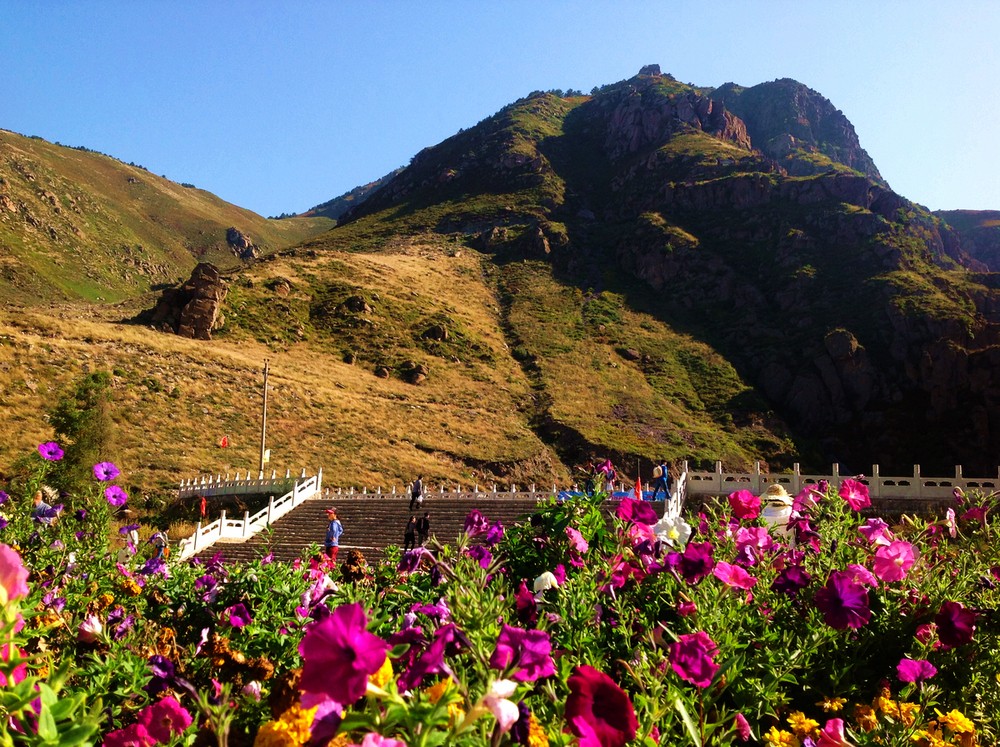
x=302 y=490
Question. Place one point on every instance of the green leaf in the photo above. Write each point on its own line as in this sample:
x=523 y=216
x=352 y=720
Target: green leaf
x=689 y=724
x=47 y=725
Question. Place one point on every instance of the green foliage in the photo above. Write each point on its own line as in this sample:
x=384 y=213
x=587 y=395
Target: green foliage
x=82 y=421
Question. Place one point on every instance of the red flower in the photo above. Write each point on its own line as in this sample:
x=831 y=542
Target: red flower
x=339 y=654
x=598 y=711
x=745 y=504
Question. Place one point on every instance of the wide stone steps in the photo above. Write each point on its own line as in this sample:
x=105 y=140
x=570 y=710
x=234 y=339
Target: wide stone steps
x=370 y=525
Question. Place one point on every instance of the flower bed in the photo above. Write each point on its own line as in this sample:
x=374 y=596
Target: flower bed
x=731 y=629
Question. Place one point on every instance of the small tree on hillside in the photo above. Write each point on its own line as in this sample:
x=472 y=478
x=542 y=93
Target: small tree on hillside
x=82 y=421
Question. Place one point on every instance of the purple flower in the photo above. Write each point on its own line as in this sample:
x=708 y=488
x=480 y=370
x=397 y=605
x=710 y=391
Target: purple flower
x=437 y=612
x=855 y=493
x=165 y=718
x=410 y=560
x=494 y=534
x=81 y=514
x=910 y=670
x=476 y=523
x=339 y=654
x=742 y=727
x=843 y=601
x=127 y=528
x=598 y=711
x=133 y=735
x=692 y=657
x=164 y=674
x=3 y=497
x=639 y=512
x=448 y=639
x=115 y=495
x=696 y=562
x=955 y=624
x=238 y=614
x=745 y=504
x=481 y=555
x=876 y=531
x=791 y=579
x=751 y=542
x=106 y=471
x=50 y=451
x=527 y=652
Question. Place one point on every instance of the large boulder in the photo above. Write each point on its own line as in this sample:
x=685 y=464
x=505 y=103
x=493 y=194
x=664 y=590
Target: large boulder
x=193 y=309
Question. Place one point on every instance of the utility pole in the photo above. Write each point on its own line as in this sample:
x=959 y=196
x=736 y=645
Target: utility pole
x=263 y=421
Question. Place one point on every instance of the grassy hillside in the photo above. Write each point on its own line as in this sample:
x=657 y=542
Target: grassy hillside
x=75 y=224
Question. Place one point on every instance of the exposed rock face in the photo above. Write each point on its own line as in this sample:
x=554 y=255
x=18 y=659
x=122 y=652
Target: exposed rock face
x=979 y=235
x=195 y=308
x=241 y=244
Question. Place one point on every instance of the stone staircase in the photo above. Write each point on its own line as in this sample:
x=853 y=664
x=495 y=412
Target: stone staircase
x=372 y=523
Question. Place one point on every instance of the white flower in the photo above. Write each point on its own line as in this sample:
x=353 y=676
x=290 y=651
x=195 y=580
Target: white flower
x=504 y=710
x=252 y=690
x=90 y=629
x=673 y=530
x=546 y=581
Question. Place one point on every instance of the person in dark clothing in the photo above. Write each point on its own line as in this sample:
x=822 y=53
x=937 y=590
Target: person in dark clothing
x=424 y=527
x=661 y=480
x=417 y=493
x=410 y=534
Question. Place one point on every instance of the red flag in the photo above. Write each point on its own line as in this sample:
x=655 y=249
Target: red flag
x=638 y=489
x=224 y=442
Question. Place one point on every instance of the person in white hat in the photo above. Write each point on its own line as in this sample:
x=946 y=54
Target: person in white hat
x=777 y=509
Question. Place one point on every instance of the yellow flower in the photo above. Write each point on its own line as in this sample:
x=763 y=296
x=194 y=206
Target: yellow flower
x=908 y=713
x=957 y=722
x=865 y=717
x=923 y=738
x=536 y=734
x=291 y=730
x=781 y=738
x=105 y=600
x=382 y=677
x=341 y=740
x=130 y=587
x=802 y=726
x=439 y=688
x=832 y=705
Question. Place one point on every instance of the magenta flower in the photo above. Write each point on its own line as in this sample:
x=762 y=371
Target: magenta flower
x=115 y=495
x=951 y=522
x=371 y=739
x=876 y=532
x=476 y=523
x=339 y=654
x=133 y=735
x=527 y=653
x=105 y=471
x=843 y=601
x=751 y=543
x=13 y=575
x=598 y=711
x=745 y=504
x=637 y=511
x=692 y=657
x=733 y=576
x=50 y=451
x=576 y=540
x=494 y=534
x=955 y=624
x=165 y=718
x=832 y=734
x=862 y=575
x=894 y=561
x=742 y=727
x=855 y=493
x=448 y=639
x=18 y=673
x=238 y=615
x=914 y=670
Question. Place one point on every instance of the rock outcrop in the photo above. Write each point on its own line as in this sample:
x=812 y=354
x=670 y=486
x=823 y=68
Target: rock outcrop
x=241 y=245
x=193 y=309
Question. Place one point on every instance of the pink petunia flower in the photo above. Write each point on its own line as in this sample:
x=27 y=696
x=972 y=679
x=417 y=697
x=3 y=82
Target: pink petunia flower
x=692 y=657
x=894 y=561
x=598 y=711
x=133 y=735
x=371 y=739
x=496 y=700
x=576 y=540
x=951 y=523
x=238 y=616
x=832 y=734
x=745 y=504
x=165 y=718
x=637 y=511
x=13 y=575
x=742 y=727
x=339 y=655
x=526 y=654
x=90 y=629
x=855 y=493
x=876 y=532
x=733 y=576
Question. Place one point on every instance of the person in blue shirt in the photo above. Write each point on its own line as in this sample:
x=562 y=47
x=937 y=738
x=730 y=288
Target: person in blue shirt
x=661 y=480
x=333 y=531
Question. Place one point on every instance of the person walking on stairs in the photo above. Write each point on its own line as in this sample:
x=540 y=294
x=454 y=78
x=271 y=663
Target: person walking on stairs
x=410 y=534
x=661 y=479
x=423 y=527
x=417 y=493
x=333 y=531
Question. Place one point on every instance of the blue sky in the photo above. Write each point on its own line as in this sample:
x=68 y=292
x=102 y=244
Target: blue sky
x=280 y=106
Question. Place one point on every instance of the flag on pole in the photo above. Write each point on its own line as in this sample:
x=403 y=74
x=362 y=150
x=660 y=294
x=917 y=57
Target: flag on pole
x=224 y=442
x=638 y=489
